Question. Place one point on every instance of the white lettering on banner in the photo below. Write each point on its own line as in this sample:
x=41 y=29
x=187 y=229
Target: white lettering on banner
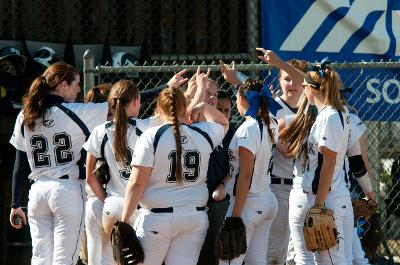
x=396 y=29
x=377 y=42
x=373 y=85
x=310 y=23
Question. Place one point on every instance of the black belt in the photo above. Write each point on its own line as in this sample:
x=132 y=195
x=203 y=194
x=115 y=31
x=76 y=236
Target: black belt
x=64 y=177
x=282 y=181
x=171 y=209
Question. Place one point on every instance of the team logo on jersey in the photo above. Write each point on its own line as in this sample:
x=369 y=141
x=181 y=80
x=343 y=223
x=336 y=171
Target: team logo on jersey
x=231 y=155
x=311 y=148
x=375 y=19
x=48 y=123
x=273 y=149
x=348 y=119
x=184 y=139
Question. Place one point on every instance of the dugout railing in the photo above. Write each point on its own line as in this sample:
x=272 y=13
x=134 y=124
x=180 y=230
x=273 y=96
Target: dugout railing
x=370 y=82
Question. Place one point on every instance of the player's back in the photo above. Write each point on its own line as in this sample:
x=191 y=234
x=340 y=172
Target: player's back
x=156 y=148
x=54 y=146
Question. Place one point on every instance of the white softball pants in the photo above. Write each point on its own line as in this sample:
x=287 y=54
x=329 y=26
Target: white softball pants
x=340 y=254
x=96 y=240
x=278 y=239
x=298 y=207
x=56 y=217
x=258 y=214
x=112 y=211
x=175 y=238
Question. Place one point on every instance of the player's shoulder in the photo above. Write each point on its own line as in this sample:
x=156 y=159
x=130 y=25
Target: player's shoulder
x=250 y=125
x=85 y=107
x=286 y=109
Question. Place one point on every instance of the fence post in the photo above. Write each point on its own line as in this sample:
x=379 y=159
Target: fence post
x=88 y=71
x=252 y=25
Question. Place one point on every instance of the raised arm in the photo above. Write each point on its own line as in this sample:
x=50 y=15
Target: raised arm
x=271 y=58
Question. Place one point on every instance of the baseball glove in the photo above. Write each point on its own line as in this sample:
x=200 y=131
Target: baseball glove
x=363 y=207
x=83 y=255
x=320 y=232
x=231 y=240
x=125 y=244
x=101 y=171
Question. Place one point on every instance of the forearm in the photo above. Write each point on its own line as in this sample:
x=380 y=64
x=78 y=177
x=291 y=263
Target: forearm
x=325 y=182
x=151 y=94
x=212 y=114
x=364 y=155
x=20 y=173
x=96 y=187
x=197 y=98
x=133 y=194
x=242 y=189
x=292 y=71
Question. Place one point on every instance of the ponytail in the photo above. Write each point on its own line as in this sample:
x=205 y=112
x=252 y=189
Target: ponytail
x=295 y=135
x=266 y=118
x=171 y=102
x=122 y=93
x=34 y=102
x=177 y=136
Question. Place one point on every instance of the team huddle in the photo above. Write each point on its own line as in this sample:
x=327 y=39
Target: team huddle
x=185 y=178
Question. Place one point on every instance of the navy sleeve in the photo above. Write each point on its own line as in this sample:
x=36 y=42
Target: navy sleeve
x=20 y=173
x=151 y=94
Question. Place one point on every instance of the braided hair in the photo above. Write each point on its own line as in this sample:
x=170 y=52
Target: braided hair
x=171 y=102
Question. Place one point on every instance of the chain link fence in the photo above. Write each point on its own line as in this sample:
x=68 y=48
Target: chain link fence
x=383 y=137
x=165 y=28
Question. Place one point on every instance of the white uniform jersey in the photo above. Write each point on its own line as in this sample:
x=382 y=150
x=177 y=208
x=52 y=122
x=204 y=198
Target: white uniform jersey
x=156 y=149
x=282 y=167
x=119 y=171
x=49 y=148
x=332 y=130
x=357 y=129
x=253 y=135
x=299 y=168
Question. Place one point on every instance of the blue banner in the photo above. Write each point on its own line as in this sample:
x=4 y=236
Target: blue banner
x=343 y=30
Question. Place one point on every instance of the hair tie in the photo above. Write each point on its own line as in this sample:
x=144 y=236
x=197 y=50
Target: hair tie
x=43 y=80
x=254 y=100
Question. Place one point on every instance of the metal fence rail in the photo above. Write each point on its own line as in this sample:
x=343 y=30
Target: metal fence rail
x=383 y=137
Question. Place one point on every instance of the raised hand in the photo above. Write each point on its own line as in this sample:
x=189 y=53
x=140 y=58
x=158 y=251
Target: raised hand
x=229 y=73
x=177 y=80
x=269 y=57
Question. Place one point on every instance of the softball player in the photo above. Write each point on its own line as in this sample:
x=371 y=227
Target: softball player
x=93 y=206
x=251 y=151
x=282 y=167
x=324 y=178
x=50 y=132
x=114 y=141
x=168 y=178
x=294 y=135
x=355 y=165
